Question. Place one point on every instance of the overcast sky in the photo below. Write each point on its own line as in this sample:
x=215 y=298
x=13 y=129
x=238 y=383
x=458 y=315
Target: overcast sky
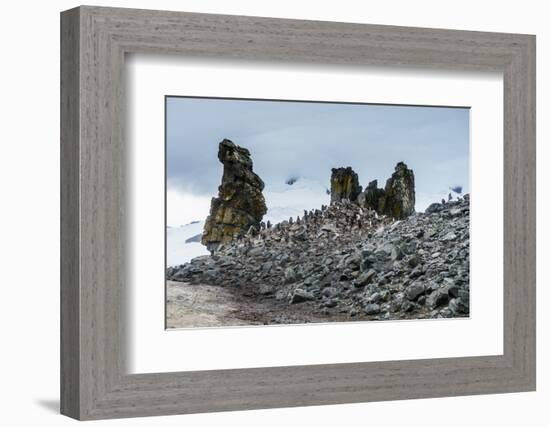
x=308 y=139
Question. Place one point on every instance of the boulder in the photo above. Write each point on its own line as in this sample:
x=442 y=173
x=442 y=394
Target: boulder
x=300 y=295
x=414 y=291
x=438 y=298
x=433 y=208
x=371 y=309
x=365 y=278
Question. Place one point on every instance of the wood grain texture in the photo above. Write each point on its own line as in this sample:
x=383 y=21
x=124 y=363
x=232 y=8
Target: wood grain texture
x=95 y=383
x=70 y=293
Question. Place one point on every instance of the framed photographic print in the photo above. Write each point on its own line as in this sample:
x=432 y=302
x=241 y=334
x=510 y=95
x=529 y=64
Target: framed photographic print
x=292 y=238
x=261 y=213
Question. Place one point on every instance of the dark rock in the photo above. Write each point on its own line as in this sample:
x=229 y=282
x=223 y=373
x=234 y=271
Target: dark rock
x=371 y=309
x=329 y=292
x=458 y=305
x=266 y=267
x=290 y=275
x=433 y=208
x=413 y=261
x=453 y=291
x=330 y=303
x=300 y=295
x=240 y=204
x=353 y=261
x=365 y=278
x=464 y=294
x=396 y=253
x=407 y=306
x=438 y=298
x=448 y=237
x=397 y=198
x=414 y=291
x=300 y=234
x=257 y=251
x=344 y=185
x=399 y=194
x=384 y=249
x=266 y=289
x=376 y=298
x=416 y=272
x=180 y=276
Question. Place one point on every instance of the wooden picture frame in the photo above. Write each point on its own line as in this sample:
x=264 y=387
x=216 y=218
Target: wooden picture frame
x=94 y=382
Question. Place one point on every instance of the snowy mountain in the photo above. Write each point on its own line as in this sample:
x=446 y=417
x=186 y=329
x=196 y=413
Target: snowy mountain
x=290 y=200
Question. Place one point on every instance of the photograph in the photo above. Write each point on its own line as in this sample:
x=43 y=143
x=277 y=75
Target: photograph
x=294 y=212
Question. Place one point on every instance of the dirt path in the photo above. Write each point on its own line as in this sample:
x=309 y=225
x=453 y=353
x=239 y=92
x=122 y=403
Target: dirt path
x=203 y=306
x=200 y=306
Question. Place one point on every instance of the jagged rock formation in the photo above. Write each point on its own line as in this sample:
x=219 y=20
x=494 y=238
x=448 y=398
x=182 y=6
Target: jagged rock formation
x=372 y=197
x=346 y=262
x=344 y=185
x=399 y=196
x=396 y=199
x=240 y=204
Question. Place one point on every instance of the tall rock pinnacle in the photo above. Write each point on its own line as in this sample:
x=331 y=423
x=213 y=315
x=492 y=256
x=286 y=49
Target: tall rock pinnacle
x=240 y=203
x=396 y=199
x=399 y=197
x=344 y=185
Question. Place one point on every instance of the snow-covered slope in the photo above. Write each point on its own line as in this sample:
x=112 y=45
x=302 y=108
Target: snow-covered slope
x=177 y=250
x=285 y=201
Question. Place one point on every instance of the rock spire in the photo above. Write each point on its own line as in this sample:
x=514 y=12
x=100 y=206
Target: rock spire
x=344 y=185
x=399 y=196
x=240 y=205
x=396 y=200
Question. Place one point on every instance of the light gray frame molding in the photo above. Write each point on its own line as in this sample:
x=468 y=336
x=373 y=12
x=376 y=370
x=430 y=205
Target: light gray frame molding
x=94 y=41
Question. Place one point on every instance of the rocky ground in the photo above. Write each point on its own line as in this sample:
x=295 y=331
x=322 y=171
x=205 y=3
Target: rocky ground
x=341 y=262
